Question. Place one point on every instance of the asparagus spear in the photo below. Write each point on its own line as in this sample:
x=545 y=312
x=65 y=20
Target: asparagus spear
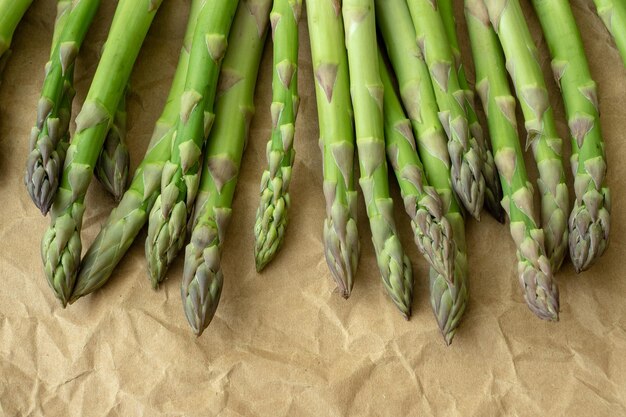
x=11 y=12
x=433 y=233
x=521 y=61
x=202 y=277
x=367 y=98
x=49 y=138
x=272 y=214
x=463 y=147
x=613 y=14
x=114 y=160
x=589 y=221
x=181 y=174
x=334 y=108
x=535 y=273
x=449 y=296
x=129 y=217
x=61 y=245
x=42 y=174
x=493 y=192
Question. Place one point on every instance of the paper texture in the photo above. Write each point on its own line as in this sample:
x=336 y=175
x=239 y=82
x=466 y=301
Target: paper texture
x=282 y=343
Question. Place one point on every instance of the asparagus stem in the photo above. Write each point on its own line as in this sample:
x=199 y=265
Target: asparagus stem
x=129 y=217
x=493 y=192
x=61 y=245
x=521 y=61
x=433 y=232
x=589 y=221
x=181 y=174
x=535 y=273
x=334 y=109
x=114 y=161
x=448 y=297
x=272 y=214
x=49 y=138
x=367 y=98
x=203 y=278
x=613 y=14
x=11 y=12
x=463 y=147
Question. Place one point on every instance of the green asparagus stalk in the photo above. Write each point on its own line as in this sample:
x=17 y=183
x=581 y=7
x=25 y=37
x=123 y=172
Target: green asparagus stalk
x=181 y=174
x=61 y=245
x=129 y=217
x=589 y=221
x=463 y=147
x=11 y=12
x=334 y=108
x=49 y=174
x=535 y=273
x=203 y=277
x=367 y=98
x=432 y=231
x=114 y=160
x=49 y=138
x=520 y=52
x=272 y=214
x=449 y=296
x=613 y=14
x=493 y=192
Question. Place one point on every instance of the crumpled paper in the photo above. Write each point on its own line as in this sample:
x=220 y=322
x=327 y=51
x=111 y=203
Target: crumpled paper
x=282 y=342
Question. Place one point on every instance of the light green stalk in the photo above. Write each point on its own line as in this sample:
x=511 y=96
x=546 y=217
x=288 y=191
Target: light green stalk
x=448 y=296
x=61 y=245
x=493 y=192
x=433 y=232
x=181 y=174
x=129 y=217
x=535 y=274
x=367 y=98
x=202 y=282
x=11 y=12
x=520 y=51
x=613 y=14
x=334 y=109
x=49 y=138
x=463 y=147
x=272 y=214
x=114 y=160
x=589 y=221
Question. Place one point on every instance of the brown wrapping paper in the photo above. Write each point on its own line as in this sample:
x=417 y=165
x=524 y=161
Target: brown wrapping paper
x=282 y=343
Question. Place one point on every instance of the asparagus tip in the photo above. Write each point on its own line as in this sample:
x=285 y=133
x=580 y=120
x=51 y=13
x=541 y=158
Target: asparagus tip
x=269 y=230
x=588 y=237
x=448 y=337
x=264 y=255
x=345 y=293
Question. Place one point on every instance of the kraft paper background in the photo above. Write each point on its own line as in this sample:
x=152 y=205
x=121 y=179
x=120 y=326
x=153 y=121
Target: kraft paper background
x=282 y=342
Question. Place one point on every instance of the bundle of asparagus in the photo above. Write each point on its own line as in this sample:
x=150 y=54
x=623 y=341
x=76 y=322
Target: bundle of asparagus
x=449 y=285
x=463 y=146
x=202 y=282
x=589 y=220
x=409 y=103
x=180 y=176
x=493 y=192
x=367 y=98
x=61 y=245
x=535 y=272
x=129 y=217
x=49 y=138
